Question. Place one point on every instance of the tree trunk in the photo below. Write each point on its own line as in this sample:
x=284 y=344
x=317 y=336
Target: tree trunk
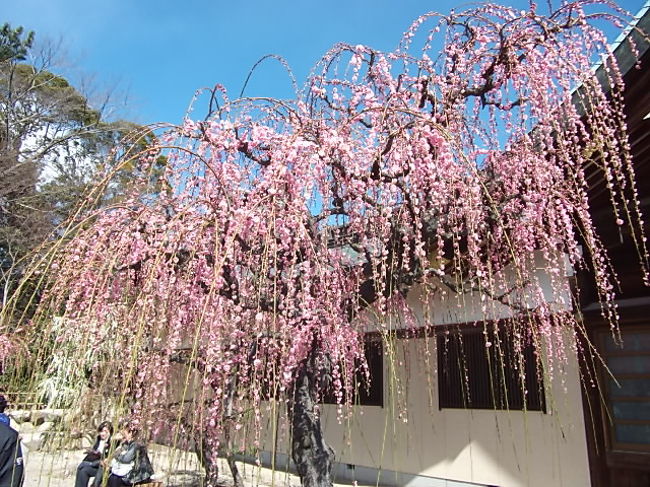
x=312 y=456
x=209 y=461
x=234 y=470
x=229 y=420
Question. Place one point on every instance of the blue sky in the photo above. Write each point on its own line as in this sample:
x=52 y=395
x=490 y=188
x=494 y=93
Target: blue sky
x=160 y=52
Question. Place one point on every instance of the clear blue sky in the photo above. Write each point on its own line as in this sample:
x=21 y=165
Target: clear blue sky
x=160 y=52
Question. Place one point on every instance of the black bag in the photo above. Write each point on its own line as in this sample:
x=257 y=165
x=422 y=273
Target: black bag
x=142 y=469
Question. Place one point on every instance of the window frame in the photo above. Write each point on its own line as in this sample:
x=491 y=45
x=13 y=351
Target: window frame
x=608 y=419
x=492 y=394
x=362 y=397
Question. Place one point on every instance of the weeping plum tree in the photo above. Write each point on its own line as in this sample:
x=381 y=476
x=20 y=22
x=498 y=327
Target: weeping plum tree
x=286 y=229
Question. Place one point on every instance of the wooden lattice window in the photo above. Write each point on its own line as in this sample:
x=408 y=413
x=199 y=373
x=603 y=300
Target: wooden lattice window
x=479 y=371
x=368 y=394
x=627 y=394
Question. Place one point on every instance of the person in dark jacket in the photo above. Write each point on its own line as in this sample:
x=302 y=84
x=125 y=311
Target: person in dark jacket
x=11 y=457
x=3 y=405
x=90 y=464
x=130 y=464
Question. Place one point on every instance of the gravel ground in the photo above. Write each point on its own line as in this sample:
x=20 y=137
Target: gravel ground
x=173 y=467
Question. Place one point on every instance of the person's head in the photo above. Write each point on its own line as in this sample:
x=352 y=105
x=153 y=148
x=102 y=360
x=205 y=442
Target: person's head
x=105 y=430
x=130 y=431
x=3 y=403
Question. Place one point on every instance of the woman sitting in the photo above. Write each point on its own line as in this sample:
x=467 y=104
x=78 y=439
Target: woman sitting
x=90 y=464
x=130 y=464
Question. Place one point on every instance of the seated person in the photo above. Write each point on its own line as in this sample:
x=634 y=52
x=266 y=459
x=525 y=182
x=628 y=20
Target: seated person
x=130 y=464
x=90 y=465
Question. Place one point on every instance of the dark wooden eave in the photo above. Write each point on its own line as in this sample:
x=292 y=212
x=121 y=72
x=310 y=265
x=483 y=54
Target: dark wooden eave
x=617 y=240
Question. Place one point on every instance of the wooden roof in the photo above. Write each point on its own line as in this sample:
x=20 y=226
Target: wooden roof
x=617 y=240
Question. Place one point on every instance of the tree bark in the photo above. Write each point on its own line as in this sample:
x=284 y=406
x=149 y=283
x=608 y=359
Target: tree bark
x=234 y=470
x=209 y=461
x=312 y=456
x=229 y=420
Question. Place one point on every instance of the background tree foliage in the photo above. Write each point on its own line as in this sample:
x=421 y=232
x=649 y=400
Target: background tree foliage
x=13 y=44
x=54 y=144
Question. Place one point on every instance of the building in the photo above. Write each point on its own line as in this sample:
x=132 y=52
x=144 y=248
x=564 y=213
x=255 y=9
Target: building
x=617 y=416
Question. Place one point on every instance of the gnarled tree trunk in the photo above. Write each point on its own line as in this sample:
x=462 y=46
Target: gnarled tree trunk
x=228 y=424
x=312 y=456
x=208 y=457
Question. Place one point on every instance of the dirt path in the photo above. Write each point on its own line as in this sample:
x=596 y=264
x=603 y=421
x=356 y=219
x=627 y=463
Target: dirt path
x=173 y=467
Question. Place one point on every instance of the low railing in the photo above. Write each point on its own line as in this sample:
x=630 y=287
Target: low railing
x=23 y=400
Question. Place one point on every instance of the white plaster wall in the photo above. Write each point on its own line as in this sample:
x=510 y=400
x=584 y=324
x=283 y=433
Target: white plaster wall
x=440 y=306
